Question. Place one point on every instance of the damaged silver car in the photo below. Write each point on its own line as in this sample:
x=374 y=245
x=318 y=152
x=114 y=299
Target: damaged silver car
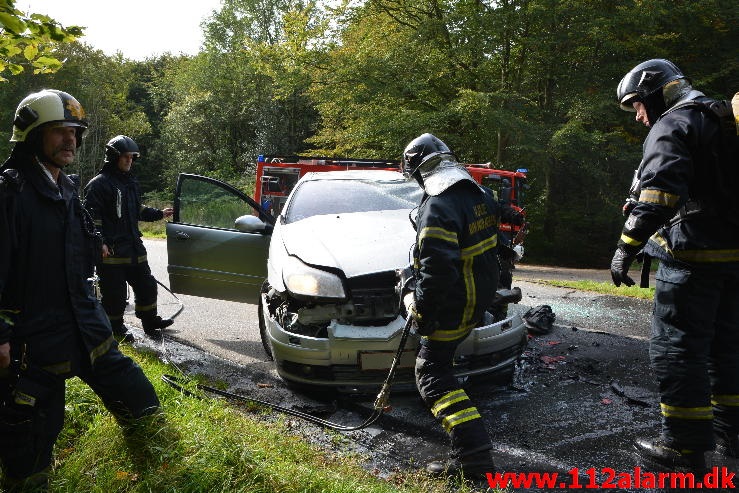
x=329 y=310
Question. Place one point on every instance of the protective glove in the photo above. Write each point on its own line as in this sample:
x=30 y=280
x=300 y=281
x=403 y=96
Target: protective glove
x=620 y=264
x=421 y=326
x=409 y=304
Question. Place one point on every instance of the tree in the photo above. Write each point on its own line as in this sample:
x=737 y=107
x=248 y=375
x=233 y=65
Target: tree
x=28 y=40
x=241 y=96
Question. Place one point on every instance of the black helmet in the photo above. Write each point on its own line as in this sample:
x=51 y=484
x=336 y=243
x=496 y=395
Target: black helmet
x=420 y=151
x=645 y=80
x=118 y=145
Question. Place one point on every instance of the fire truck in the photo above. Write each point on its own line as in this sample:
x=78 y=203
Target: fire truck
x=277 y=175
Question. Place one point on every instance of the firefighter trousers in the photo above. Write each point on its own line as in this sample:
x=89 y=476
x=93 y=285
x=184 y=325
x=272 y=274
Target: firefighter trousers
x=32 y=407
x=694 y=350
x=447 y=401
x=113 y=279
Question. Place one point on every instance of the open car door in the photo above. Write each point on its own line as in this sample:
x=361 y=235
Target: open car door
x=217 y=242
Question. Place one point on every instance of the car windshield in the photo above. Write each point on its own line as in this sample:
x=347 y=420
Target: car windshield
x=318 y=197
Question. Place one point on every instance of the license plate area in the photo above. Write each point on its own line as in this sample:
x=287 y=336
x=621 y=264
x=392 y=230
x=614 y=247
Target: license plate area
x=382 y=360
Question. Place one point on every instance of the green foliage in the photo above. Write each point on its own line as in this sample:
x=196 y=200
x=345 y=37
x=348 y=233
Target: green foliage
x=605 y=288
x=204 y=445
x=27 y=40
x=517 y=83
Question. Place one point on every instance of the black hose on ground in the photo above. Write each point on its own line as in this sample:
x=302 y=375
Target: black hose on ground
x=380 y=406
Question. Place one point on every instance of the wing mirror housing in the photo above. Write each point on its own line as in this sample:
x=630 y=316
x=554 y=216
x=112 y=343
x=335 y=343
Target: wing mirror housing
x=252 y=224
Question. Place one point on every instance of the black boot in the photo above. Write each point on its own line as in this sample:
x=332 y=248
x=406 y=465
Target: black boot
x=727 y=444
x=153 y=326
x=473 y=466
x=122 y=334
x=671 y=456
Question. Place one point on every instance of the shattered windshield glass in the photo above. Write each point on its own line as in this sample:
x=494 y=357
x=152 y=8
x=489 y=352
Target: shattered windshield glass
x=313 y=198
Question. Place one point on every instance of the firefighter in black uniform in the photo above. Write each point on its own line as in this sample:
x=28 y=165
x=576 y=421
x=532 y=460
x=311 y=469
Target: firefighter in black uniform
x=678 y=218
x=57 y=328
x=113 y=197
x=456 y=271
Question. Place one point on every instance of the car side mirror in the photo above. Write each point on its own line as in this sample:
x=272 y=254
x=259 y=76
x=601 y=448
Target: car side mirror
x=252 y=224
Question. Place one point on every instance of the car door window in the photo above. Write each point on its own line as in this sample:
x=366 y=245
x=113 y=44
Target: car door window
x=206 y=203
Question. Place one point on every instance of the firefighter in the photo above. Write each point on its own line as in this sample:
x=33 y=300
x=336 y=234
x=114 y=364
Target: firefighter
x=456 y=271
x=677 y=218
x=53 y=327
x=113 y=197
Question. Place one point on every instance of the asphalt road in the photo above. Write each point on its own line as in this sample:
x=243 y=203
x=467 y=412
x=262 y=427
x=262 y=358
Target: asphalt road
x=581 y=394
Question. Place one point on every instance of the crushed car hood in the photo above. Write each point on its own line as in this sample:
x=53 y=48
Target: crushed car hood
x=357 y=243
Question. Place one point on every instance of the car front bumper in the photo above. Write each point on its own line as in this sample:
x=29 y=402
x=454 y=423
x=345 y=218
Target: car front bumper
x=359 y=357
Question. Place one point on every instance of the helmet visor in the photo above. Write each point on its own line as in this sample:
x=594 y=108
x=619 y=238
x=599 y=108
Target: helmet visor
x=627 y=102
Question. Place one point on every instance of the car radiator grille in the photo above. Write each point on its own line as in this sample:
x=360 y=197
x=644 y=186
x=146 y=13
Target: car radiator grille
x=374 y=296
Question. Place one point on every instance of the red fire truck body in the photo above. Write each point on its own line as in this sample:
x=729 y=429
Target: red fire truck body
x=277 y=175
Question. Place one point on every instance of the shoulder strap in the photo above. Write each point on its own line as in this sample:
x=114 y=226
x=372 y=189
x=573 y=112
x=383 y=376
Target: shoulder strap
x=13 y=179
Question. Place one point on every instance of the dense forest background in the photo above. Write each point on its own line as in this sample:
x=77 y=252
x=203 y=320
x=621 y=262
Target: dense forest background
x=518 y=83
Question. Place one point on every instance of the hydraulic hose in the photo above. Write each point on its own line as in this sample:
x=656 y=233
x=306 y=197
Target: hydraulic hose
x=179 y=302
x=380 y=405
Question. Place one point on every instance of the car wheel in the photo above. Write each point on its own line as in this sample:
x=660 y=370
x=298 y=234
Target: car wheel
x=263 y=324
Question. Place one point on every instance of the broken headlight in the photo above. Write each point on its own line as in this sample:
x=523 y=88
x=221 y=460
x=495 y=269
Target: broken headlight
x=304 y=280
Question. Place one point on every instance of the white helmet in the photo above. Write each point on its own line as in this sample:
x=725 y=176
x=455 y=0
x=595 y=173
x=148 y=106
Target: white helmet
x=48 y=106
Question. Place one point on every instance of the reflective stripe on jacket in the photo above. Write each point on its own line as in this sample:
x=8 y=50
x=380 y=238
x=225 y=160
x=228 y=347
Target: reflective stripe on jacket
x=455 y=258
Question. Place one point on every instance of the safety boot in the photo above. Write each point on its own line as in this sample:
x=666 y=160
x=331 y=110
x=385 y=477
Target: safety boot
x=727 y=445
x=153 y=326
x=671 y=456
x=122 y=334
x=473 y=466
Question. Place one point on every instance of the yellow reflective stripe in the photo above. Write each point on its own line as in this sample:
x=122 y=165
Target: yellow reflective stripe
x=630 y=241
x=468 y=259
x=98 y=222
x=686 y=412
x=449 y=335
x=23 y=399
x=470 y=289
x=447 y=400
x=481 y=247
x=651 y=196
x=730 y=255
x=101 y=349
x=460 y=417
x=657 y=238
x=439 y=234
x=725 y=400
x=145 y=308
x=116 y=260
x=123 y=260
x=59 y=368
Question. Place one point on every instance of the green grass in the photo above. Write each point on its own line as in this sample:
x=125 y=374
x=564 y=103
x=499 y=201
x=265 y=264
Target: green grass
x=155 y=229
x=206 y=446
x=604 y=288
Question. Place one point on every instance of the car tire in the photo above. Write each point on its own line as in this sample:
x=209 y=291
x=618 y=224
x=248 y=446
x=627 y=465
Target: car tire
x=262 y=323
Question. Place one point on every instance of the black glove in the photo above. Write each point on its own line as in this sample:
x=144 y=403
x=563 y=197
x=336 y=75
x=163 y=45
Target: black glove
x=620 y=264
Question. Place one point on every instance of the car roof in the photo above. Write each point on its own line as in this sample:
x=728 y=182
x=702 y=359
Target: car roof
x=355 y=174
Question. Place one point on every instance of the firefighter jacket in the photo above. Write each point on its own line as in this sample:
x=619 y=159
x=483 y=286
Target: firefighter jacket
x=678 y=215
x=46 y=265
x=455 y=258
x=114 y=200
